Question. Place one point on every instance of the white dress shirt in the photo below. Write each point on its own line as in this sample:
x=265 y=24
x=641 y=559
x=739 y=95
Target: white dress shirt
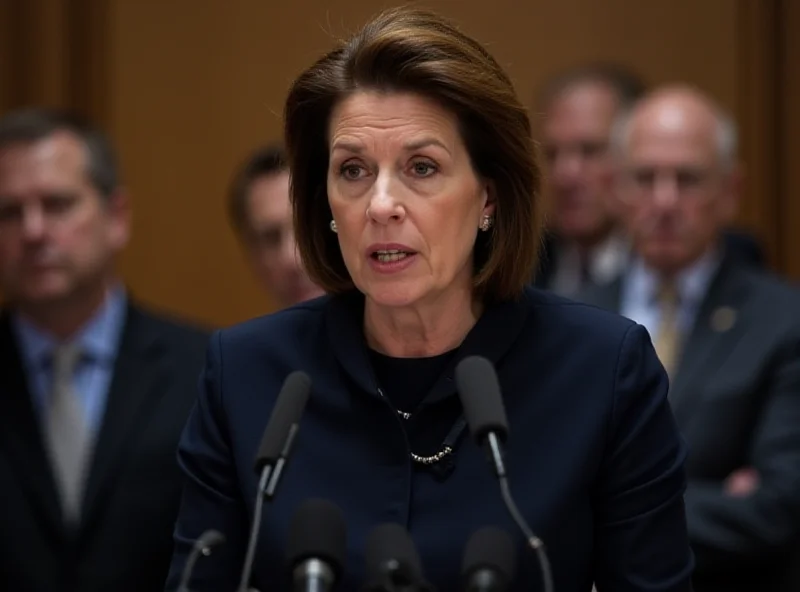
x=639 y=296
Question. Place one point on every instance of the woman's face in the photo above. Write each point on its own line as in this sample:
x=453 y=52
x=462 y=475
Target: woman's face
x=406 y=200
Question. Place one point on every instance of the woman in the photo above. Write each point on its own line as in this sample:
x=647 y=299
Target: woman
x=414 y=188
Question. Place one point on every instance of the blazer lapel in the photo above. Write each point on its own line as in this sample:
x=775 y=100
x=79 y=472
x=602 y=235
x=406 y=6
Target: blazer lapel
x=136 y=387
x=710 y=340
x=20 y=432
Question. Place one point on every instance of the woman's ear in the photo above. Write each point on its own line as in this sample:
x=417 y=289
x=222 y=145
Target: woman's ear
x=489 y=198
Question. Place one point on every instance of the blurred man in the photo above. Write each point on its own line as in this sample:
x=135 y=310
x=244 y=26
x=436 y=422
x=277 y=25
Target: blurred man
x=261 y=214
x=578 y=109
x=728 y=335
x=94 y=389
x=586 y=246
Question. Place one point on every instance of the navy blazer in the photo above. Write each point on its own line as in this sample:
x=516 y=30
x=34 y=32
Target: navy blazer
x=595 y=459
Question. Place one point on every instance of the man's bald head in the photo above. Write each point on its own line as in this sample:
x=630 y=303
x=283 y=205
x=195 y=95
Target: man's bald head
x=677 y=175
x=680 y=107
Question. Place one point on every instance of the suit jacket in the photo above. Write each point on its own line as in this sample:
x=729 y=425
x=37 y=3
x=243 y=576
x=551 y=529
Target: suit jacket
x=125 y=539
x=736 y=398
x=594 y=456
x=742 y=247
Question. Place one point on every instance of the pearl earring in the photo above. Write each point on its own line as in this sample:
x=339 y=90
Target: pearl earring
x=486 y=223
x=334 y=228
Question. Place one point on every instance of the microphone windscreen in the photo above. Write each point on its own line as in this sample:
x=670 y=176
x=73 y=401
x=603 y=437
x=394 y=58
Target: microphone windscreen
x=479 y=389
x=317 y=530
x=287 y=411
x=490 y=548
x=389 y=547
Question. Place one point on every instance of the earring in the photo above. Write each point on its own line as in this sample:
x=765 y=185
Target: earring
x=334 y=228
x=486 y=223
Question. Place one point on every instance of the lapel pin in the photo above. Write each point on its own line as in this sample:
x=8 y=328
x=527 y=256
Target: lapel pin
x=723 y=319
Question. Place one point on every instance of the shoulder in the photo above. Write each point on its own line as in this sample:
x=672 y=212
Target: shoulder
x=285 y=338
x=743 y=246
x=586 y=348
x=771 y=300
x=282 y=328
x=598 y=368
x=247 y=363
x=577 y=323
x=766 y=285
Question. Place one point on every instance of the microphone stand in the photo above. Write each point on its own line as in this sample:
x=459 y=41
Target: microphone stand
x=247 y=570
x=267 y=484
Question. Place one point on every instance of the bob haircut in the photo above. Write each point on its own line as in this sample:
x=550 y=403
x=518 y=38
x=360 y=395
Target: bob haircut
x=413 y=50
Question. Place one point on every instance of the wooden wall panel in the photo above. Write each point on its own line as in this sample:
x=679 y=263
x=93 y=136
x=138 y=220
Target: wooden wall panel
x=758 y=118
x=39 y=46
x=86 y=64
x=6 y=59
x=208 y=85
x=52 y=52
x=187 y=88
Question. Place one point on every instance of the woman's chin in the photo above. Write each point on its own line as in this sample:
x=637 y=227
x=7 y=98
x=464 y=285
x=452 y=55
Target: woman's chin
x=398 y=294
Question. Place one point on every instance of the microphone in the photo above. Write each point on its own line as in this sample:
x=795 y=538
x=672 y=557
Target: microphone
x=490 y=561
x=273 y=454
x=392 y=561
x=317 y=546
x=479 y=390
x=202 y=546
x=279 y=435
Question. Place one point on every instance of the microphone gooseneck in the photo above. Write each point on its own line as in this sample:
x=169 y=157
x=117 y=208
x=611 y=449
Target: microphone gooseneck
x=496 y=453
x=535 y=543
x=317 y=546
x=273 y=454
x=203 y=546
x=479 y=390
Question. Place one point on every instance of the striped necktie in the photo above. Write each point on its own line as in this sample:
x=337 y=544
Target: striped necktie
x=67 y=434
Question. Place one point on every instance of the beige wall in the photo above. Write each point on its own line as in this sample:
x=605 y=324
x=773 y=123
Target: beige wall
x=187 y=87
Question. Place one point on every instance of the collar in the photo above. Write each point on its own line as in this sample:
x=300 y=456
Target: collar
x=692 y=283
x=492 y=337
x=98 y=338
x=606 y=260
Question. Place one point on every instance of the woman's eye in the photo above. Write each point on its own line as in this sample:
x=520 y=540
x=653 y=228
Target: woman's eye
x=423 y=169
x=351 y=171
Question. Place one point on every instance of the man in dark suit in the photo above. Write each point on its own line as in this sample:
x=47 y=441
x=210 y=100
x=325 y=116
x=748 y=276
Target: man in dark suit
x=729 y=336
x=585 y=244
x=94 y=390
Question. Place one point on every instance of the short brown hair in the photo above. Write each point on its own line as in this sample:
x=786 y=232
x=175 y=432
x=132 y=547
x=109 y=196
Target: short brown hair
x=265 y=161
x=413 y=50
x=29 y=125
